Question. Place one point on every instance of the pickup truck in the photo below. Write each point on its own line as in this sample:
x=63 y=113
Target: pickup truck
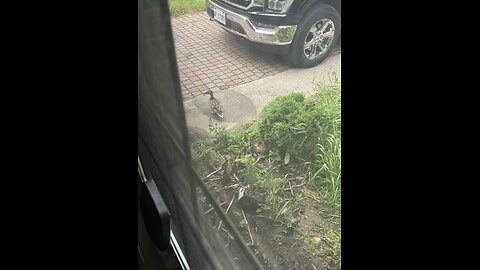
x=303 y=30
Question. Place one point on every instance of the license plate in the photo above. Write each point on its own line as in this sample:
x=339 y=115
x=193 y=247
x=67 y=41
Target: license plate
x=219 y=15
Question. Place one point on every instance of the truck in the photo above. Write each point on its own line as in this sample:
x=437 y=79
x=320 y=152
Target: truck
x=305 y=31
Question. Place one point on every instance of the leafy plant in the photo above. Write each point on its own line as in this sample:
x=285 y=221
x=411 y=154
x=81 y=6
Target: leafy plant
x=225 y=141
x=294 y=135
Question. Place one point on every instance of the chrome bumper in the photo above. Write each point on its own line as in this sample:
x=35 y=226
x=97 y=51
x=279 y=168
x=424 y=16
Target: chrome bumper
x=278 y=35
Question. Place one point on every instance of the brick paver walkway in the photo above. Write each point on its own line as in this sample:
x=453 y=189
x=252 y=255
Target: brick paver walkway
x=211 y=58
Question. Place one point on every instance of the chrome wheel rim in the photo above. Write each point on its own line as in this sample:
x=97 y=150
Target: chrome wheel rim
x=319 y=38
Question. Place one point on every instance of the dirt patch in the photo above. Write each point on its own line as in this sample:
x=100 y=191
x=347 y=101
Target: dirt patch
x=307 y=246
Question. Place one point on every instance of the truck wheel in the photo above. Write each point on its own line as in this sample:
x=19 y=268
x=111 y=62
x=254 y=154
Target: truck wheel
x=316 y=34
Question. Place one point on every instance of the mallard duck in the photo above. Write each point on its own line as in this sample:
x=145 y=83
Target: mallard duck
x=247 y=202
x=214 y=104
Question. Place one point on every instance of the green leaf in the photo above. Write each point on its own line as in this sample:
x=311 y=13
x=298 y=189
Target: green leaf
x=287 y=158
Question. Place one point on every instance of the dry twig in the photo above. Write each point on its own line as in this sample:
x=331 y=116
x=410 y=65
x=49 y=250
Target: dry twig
x=257 y=160
x=210 y=210
x=248 y=227
x=212 y=173
x=226 y=212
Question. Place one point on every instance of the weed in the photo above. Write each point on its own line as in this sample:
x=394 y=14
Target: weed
x=333 y=239
x=297 y=137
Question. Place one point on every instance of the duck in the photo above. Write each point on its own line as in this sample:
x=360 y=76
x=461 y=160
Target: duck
x=247 y=202
x=214 y=104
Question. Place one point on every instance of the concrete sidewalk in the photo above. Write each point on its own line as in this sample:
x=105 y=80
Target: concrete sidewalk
x=244 y=103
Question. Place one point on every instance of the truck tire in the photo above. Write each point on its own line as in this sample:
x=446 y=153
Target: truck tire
x=316 y=34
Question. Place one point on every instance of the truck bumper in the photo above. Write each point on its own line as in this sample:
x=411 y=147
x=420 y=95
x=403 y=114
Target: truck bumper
x=254 y=31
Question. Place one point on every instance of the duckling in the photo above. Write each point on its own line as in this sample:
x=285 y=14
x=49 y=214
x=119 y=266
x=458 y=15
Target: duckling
x=214 y=104
x=226 y=172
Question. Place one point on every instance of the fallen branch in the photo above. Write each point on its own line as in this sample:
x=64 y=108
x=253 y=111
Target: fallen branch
x=291 y=190
x=278 y=235
x=228 y=243
x=248 y=227
x=210 y=210
x=232 y=186
x=226 y=212
x=228 y=233
x=295 y=186
x=257 y=160
x=212 y=173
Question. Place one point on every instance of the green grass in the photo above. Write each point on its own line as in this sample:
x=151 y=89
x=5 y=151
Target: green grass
x=307 y=132
x=295 y=138
x=181 y=7
x=314 y=244
x=325 y=172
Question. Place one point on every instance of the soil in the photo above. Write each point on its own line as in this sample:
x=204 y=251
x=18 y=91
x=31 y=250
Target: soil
x=273 y=244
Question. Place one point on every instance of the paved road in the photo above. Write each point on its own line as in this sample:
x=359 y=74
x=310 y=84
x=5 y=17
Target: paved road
x=210 y=58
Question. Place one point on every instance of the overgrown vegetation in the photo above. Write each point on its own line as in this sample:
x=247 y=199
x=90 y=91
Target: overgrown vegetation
x=181 y=7
x=291 y=154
